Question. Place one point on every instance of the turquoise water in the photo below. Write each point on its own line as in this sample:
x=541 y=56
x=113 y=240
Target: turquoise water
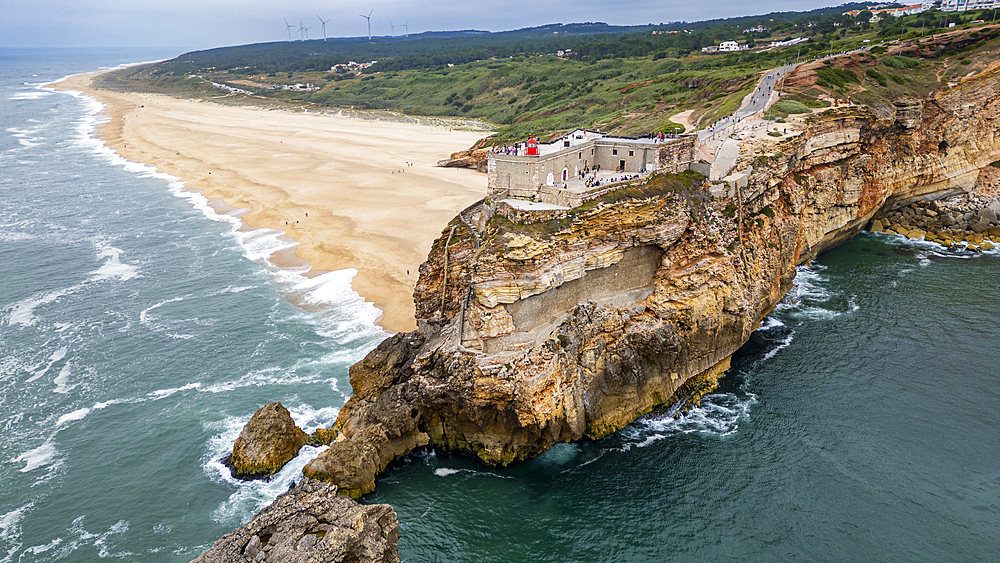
x=139 y=330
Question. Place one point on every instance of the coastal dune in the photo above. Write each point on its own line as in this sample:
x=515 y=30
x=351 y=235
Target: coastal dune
x=355 y=192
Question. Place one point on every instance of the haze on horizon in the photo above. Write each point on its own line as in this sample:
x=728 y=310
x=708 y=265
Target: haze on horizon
x=201 y=24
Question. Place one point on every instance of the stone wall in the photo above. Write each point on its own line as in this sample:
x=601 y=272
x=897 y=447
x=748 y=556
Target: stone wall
x=524 y=176
x=528 y=216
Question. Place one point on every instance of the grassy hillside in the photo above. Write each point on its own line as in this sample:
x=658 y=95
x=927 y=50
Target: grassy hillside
x=623 y=80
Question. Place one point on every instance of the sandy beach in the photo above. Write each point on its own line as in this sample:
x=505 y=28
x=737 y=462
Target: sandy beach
x=339 y=185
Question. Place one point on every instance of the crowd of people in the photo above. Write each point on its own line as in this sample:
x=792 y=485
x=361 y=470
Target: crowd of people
x=592 y=181
x=510 y=150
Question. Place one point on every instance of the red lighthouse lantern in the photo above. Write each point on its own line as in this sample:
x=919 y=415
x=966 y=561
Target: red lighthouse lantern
x=532 y=147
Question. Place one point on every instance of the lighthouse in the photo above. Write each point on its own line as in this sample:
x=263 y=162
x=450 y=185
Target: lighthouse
x=532 y=147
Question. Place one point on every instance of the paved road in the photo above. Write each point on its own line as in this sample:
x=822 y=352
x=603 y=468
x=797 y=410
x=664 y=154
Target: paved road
x=761 y=98
x=758 y=101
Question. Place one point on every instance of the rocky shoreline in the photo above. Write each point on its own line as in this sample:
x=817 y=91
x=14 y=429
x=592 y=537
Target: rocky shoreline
x=532 y=334
x=966 y=221
x=311 y=522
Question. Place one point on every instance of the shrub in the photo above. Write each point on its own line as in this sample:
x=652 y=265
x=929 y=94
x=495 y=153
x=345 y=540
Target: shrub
x=876 y=76
x=791 y=106
x=835 y=77
x=966 y=62
x=900 y=61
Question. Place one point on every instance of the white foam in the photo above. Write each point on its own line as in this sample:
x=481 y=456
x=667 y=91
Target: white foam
x=164 y=393
x=769 y=323
x=23 y=312
x=34 y=95
x=70 y=417
x=719 y=414
x=445 y=471
x=113 y=268
x=152 y=322
x=55 y=357
x=62 y=379
x=785 y=342
x=252 y=496
x=36 y=549
x=10 y=530
x=38 y=457
x=9 y=522
x=100 y=541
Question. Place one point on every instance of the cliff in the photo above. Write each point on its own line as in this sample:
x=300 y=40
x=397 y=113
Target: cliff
x=534 y=334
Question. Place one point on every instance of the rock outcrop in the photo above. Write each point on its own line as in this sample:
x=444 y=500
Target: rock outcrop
x=535 y=334
x=471 y=158
x=269 y=441
x=312 y=523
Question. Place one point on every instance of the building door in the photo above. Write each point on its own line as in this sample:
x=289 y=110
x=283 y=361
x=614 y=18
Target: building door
x=621 y=165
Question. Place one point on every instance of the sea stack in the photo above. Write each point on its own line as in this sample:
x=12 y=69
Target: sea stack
x=266 y=443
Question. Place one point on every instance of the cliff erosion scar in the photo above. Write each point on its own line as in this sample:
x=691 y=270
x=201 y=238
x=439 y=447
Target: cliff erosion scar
x=532 y=334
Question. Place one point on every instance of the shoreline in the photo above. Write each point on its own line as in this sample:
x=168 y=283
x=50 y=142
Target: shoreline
x=350 y=192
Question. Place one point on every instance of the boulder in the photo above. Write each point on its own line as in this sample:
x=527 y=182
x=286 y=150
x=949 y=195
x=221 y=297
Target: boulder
x=311 y=522
x=877 y=226
x=979 y=224
x=269 y=441
x=987 y=215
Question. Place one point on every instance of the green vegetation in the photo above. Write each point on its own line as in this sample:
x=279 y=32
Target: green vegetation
x=830 y=77
x=790 y=106
x=625 y=80
x=901 y=62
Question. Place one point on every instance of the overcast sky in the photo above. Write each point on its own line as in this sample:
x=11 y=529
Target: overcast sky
x=185 y=25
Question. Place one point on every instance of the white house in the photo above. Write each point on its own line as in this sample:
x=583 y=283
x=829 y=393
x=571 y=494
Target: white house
x=729 y=46
x=965 y=5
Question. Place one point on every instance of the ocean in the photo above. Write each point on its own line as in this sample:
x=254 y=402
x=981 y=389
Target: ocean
x=140 y=329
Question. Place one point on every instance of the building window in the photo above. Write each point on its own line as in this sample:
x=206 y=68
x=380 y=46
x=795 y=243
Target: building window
x=580 y=157
x=631 y=153
x=614 y=152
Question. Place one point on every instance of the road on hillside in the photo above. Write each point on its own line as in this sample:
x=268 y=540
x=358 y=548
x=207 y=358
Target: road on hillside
x=759 y=100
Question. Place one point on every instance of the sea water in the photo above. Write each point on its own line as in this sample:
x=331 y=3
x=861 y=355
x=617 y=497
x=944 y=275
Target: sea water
x=140 y=329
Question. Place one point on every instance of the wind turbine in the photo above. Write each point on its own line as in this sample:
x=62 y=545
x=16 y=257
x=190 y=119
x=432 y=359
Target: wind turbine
x=324 y=26
x=288 y=28
x=369 y=18
x=303 y=31
x=393 y=30
x=406 y=26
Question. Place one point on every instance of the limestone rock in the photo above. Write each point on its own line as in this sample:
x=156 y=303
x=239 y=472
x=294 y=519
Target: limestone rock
x=312 y=523
x=576 y=327
x=266 y=443
x=472 y=158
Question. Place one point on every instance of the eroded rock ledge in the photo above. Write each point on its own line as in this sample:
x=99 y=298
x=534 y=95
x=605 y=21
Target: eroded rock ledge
x=555 y=331
x=311 y=522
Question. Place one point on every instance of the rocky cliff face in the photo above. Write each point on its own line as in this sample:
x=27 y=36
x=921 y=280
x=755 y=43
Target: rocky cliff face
x=571 y=328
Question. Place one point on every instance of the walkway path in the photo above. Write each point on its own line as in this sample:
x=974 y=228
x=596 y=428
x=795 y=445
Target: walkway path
x=715 y=140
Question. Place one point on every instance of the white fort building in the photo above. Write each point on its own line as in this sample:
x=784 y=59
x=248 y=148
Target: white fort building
x=582 y=165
